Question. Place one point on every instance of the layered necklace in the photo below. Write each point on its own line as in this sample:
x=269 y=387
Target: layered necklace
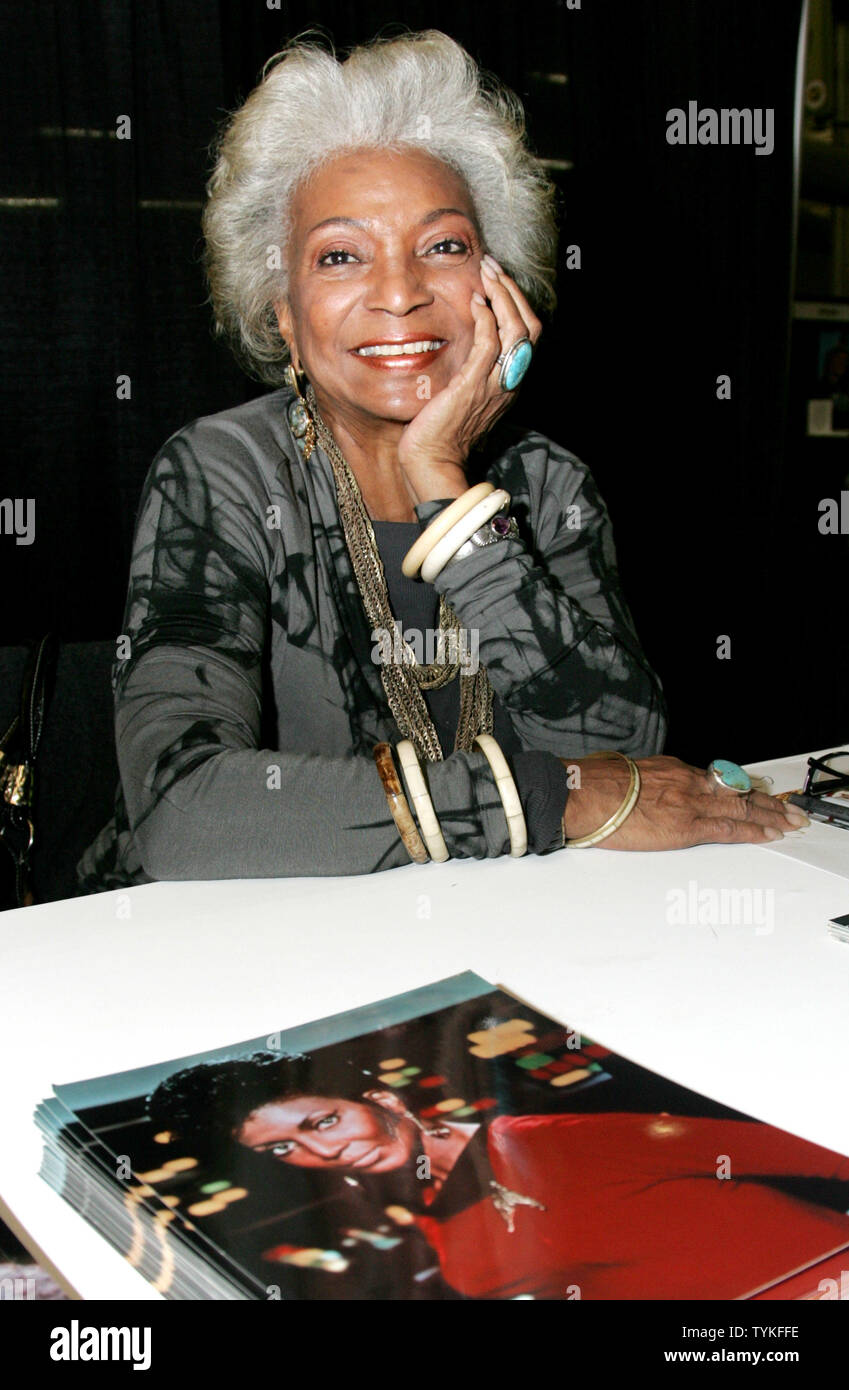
x=404 y=680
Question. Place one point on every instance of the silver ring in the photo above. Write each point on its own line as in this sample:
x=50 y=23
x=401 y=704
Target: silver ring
x=730 y=776
x=514 y=363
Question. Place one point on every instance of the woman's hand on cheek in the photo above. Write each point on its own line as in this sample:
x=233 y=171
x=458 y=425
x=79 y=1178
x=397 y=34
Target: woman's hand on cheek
x=435 y=445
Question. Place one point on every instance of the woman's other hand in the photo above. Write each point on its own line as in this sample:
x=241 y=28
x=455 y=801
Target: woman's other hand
x=678 y=806
x=435 y=444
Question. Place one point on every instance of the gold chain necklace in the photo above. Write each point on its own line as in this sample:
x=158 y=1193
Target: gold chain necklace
x=403 y=681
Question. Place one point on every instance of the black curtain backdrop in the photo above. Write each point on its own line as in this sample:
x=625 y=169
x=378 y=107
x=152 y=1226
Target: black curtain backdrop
x=686 y=262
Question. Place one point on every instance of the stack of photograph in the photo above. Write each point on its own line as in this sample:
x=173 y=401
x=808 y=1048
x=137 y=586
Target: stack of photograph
x=448 y=1143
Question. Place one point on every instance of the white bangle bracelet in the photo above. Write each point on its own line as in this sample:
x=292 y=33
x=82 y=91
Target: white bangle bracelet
x=442 y=522
x=480 y=514
x=419 y=798
x=507 y=791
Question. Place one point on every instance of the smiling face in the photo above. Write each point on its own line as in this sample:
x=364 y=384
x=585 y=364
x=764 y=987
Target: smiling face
x=320 y=1132
x=384 y=256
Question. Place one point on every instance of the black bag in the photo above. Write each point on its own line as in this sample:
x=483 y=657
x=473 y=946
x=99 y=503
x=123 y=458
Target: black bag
x=18 y=754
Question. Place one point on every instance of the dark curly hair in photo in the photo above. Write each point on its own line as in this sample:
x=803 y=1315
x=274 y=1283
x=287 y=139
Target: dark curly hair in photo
x=205 y=1105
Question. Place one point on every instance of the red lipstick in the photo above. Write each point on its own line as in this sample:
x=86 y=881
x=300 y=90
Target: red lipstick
x=387 y=354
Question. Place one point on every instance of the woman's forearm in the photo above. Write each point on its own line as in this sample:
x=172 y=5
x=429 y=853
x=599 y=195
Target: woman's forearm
x=204 y=801
x=553 y=631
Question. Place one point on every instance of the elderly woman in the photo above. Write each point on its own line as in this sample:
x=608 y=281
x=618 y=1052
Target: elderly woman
x=364 y=626
x=615 y=1205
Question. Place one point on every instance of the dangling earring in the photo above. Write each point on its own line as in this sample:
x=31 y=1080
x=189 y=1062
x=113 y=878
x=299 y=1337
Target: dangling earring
x=293 y=377
x=300 y=420
x=432 y=1131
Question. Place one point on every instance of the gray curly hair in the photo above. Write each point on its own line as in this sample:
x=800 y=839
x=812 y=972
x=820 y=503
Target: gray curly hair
x=421 y=90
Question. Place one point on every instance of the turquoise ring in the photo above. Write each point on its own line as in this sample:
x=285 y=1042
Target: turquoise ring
x=730 y=776
x=514 y=364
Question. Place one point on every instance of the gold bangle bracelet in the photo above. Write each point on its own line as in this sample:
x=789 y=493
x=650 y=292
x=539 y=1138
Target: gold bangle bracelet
x=612 y=824
x=441 y=525
x=398 y=804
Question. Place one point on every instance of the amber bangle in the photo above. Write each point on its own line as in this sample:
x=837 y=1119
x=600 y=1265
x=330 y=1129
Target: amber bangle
x=398 y=804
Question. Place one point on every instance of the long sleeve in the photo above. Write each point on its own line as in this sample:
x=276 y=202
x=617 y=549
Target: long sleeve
x=553 y=628
x=247 y=698
x=204 y=797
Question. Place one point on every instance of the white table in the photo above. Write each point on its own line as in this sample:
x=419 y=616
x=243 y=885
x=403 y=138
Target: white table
x=756 y=1016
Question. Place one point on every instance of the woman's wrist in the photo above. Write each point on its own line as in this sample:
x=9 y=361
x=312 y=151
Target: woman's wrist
x=428 y=481
x=598 y=787
x=440 y=525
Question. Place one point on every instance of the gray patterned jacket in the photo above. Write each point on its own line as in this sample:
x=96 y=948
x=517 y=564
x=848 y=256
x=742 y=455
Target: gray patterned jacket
x=247 y=698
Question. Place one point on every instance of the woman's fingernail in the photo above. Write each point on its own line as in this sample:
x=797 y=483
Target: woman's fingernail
x=770 y=833
x=796 y=817
x=486 y=269
x=478 y=298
